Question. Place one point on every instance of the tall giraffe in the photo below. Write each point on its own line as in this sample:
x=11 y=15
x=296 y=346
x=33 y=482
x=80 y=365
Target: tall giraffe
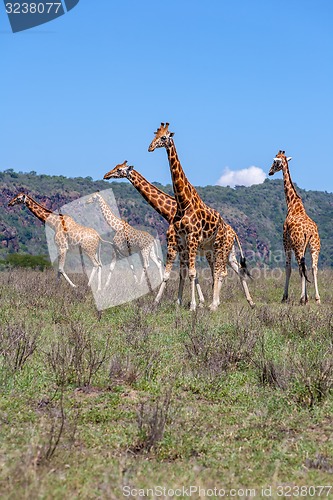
x=196 y=224
x=299 y=231
x=68 y=233
x=128 y=240
x=166 y=206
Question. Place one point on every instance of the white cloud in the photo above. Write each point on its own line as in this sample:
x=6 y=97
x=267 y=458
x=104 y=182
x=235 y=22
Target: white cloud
x=244 y=177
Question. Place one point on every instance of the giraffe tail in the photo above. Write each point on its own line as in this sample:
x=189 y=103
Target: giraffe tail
x=242 y=261
x=303 y=270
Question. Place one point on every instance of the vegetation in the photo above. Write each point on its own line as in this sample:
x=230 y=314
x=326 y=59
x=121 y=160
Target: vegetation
x=141 y=397
x=26 y=260
x=256 y=213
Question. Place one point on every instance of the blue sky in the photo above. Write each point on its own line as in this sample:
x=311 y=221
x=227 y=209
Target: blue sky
x=236 y=80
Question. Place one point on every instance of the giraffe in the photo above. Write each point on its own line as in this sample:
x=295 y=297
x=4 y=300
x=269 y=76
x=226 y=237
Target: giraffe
x=196 y=224
x=299 y=231
x=68 y=233
x=128 y=240
x=166 y=206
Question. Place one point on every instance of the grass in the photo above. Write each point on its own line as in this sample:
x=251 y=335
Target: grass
x=142 y=397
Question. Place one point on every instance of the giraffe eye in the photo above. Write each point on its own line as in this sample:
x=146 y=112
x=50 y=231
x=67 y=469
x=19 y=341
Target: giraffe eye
x=163 y=137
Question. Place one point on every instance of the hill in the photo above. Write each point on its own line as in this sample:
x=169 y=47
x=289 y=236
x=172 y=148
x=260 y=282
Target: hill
x=256 y=213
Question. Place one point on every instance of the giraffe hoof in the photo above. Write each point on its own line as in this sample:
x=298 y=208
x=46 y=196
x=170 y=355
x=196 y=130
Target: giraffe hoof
x=318 y=301
x=201 y=305
x=213 y=307
x=252 y=305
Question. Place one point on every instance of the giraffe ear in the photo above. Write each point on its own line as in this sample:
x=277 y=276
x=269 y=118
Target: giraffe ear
x=289 y=158
x=130 y=167
x=172 y=134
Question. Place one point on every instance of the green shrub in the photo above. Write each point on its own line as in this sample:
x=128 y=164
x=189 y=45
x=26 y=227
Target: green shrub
x=25 y=260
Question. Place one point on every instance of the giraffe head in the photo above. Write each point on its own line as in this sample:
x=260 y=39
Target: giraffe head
x=20 y=198
x=94 y=198
x=119 y=171
x=278 y=162
x=162 y=137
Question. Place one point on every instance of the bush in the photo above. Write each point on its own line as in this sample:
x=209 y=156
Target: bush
x=40 y=262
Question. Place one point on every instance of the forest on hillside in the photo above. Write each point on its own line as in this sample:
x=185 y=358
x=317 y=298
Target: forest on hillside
x=256 y=213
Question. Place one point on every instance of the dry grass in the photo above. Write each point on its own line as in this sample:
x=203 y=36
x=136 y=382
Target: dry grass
x=144 y=396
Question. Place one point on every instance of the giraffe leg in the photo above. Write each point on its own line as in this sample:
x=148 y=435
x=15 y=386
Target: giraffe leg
x=210 y=259
x=314 y=274
x=220 y=271
x=192 y=243
x=199 y=292
x=145 y=264
x=61 y=265
x=218 y=279
x=99 y=278
x=288 y=273
x=171 y=257
x=82 y=260
x=112 y=266
x=183 y=256
x=93 y=272
x=233 y=263
x=157 y=261
x=132 y=267
x=97 y=266
x=134 y=273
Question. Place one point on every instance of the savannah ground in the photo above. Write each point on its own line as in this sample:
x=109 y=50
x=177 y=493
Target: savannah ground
x=146 y=397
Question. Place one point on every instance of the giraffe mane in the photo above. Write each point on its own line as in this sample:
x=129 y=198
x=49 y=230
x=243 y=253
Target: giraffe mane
x=36 y=202
x=290 y=179
x=163 y=129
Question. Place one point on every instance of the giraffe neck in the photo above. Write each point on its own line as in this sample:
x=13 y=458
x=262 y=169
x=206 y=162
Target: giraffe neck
x=185 y=193
x=42 y=213
x=110 y=218
x=293 y=200
x=163 y=203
